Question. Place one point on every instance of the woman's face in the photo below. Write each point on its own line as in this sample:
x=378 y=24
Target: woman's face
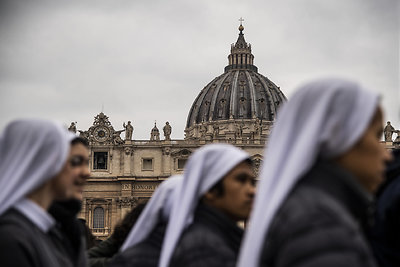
x=367 y=159
x=70 y=181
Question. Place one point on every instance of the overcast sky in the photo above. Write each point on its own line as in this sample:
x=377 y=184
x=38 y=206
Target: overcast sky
x=147 y=61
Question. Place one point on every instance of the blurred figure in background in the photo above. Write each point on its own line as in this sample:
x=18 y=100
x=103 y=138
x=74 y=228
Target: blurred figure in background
x=90 y=239
x=316 y=185
x=101 y=255
x=385 y=235
x=217 y=192
x=70 y=237
x=35 y=170
x=142 y=247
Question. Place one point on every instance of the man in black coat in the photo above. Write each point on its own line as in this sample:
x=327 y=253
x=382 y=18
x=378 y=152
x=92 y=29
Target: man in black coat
x=385 y=236
x=68 y=235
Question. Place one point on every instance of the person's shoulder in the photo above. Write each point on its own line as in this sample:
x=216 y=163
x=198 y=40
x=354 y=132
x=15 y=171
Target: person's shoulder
x=15 y=228
x=391 y=191
x=13 y=220
x=303 y=201
x=199 y=231
x=305 y=205
x=201 y=246
x=141 y=254
x=17 y=242
x=199 y=237
x=301 y=227
x=12 y=234
x=388 y=205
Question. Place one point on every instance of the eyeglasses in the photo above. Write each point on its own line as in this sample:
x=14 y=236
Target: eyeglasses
x=77 y=161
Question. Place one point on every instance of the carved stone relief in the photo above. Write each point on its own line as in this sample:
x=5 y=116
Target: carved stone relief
x=257 y=161
x=128 y=151
x=126 y=201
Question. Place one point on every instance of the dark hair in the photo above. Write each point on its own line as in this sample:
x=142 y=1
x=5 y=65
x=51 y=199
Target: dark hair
x=218 y=188
x=123 y=228
x=80 y=140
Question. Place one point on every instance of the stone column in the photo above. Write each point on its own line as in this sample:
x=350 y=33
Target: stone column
x=124 y=201
x=166 y=161
x=128 y=152
x=89 y=214
x=111 y=154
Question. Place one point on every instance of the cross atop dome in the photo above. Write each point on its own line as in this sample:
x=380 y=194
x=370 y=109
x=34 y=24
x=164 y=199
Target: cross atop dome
x=241 y=56
x=241 y=28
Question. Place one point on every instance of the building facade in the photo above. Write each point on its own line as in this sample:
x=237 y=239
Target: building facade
x=237 y=107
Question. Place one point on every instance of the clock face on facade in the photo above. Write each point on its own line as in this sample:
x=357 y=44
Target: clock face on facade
x=101 y=133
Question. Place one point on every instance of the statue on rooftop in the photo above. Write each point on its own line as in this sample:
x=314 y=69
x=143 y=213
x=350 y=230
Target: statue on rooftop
x=72 y=127
x=167 y=131
x=128 y=130
x=388 y=131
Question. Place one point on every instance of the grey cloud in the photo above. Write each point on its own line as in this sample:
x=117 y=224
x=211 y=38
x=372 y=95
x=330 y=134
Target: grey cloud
x=148 y=60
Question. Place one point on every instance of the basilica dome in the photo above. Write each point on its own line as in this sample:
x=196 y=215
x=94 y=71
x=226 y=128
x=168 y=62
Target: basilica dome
x=240 y=93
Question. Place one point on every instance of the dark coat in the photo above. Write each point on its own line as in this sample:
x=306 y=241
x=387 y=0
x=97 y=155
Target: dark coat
x=143 y=254
x=321 y=223
x=101 y=255
x=212 y=240
x=385 y=235
x=69 y=235
x=22 y=243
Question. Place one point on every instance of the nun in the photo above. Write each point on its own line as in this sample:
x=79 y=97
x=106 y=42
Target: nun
x=34 y=171
x=142 y=247
x=217 y=192
x=314 y=200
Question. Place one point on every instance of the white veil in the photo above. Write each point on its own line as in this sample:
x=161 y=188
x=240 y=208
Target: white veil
x=204 y=169
x=160 y=204
x=324 y=119
x=32 y=151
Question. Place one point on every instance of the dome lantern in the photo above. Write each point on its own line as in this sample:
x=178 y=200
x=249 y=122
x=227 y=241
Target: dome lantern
x=241 y=56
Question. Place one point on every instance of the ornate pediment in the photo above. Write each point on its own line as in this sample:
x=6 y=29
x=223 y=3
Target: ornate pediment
x=102 y=132
x=101 y=119
x=182 y=153
x=93 y=202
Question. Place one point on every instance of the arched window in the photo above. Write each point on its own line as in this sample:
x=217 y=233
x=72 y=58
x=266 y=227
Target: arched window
x=98 y=218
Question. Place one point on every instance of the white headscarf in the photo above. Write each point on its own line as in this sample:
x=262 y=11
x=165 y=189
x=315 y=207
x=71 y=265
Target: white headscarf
x=159 y=205
x=31 y=153
x=204 y=169
x=324 y=118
